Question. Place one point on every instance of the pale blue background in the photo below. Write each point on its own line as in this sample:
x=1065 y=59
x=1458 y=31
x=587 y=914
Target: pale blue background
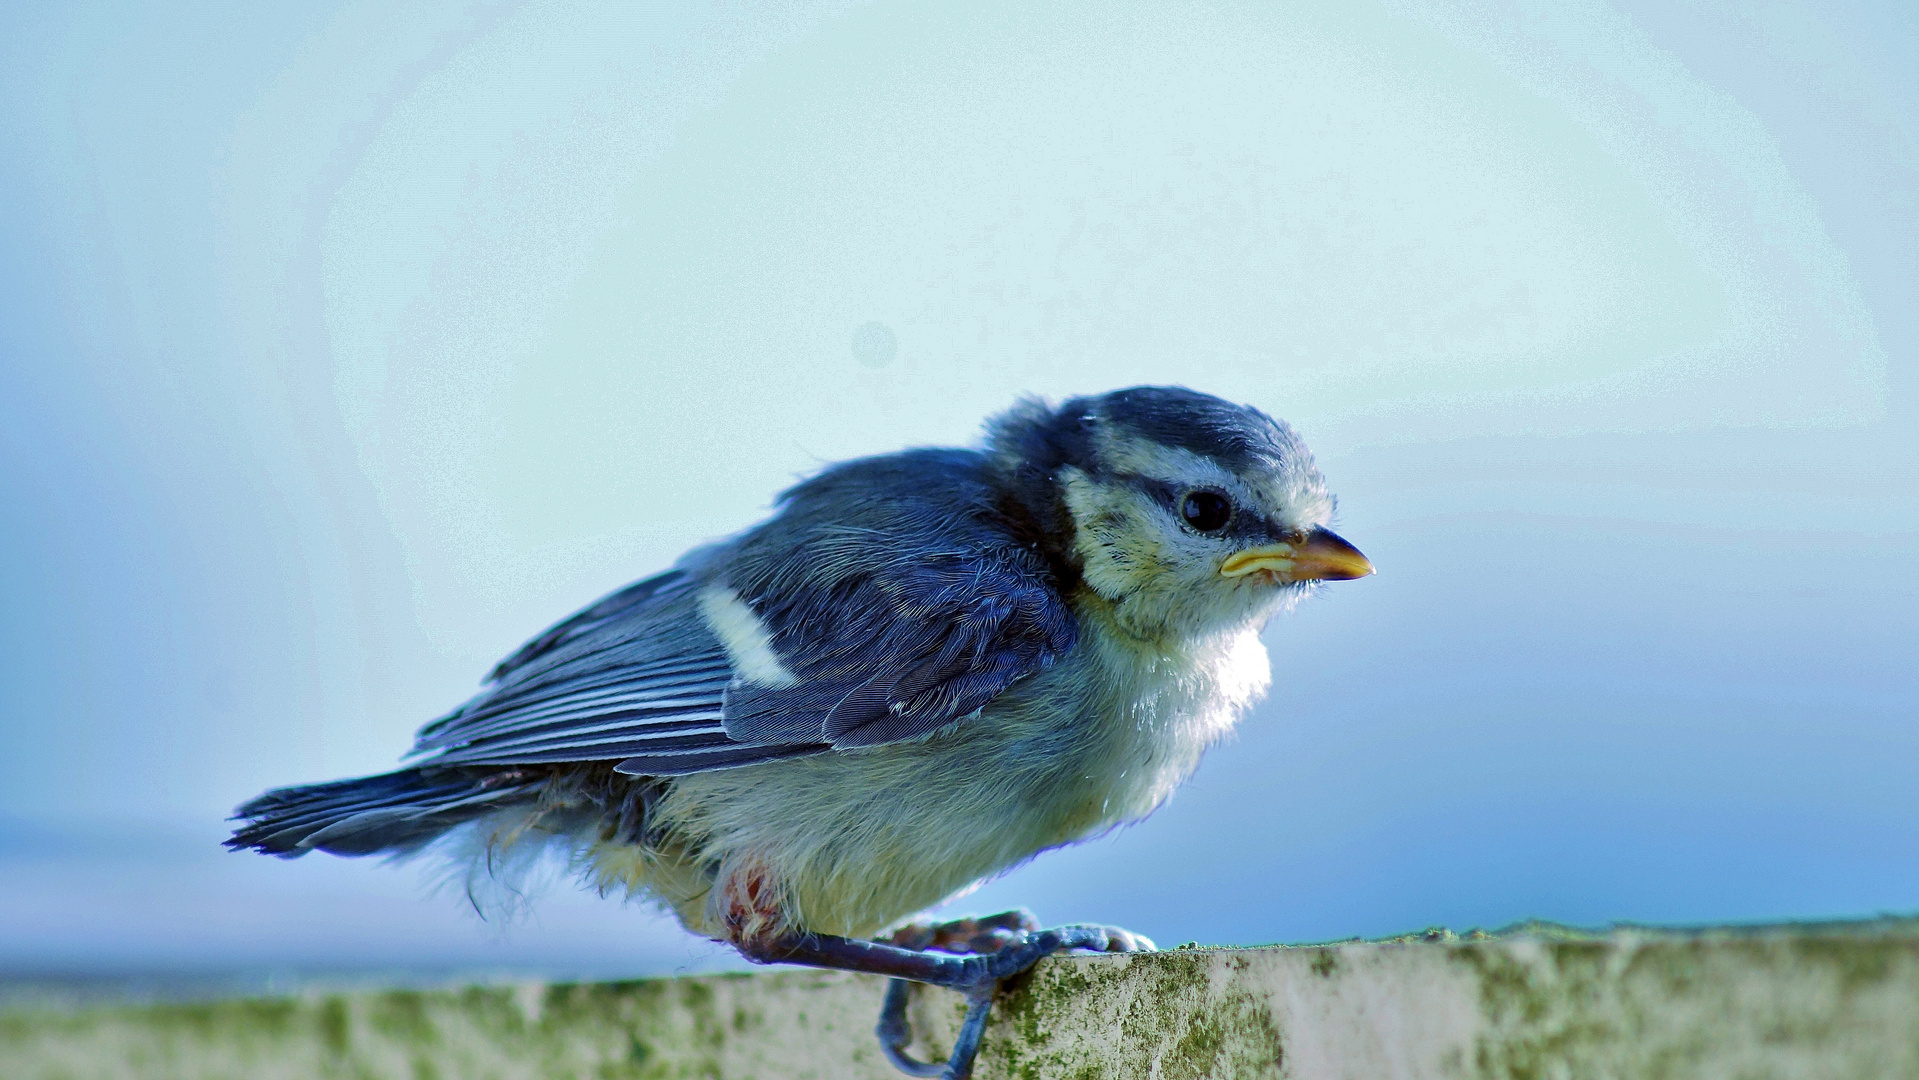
x=344 y=346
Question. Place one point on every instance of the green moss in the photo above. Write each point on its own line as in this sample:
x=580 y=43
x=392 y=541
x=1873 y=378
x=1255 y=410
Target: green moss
x=1170 y=1021
x=336 y=1026
x=402 y=1015
x=252 y=1021
x=497 y=1009
x=1538 y=1014
x=1858 y=962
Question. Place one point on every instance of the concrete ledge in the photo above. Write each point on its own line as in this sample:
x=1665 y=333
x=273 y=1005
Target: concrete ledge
x=1837 y=1000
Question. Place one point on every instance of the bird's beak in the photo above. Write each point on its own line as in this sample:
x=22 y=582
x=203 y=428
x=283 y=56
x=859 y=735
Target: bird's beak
x=1322 y=556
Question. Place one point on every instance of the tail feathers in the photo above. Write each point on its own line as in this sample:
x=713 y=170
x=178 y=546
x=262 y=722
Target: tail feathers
x=394 y=813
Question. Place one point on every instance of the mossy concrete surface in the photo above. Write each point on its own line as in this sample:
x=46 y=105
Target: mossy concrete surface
x=1838 y=1000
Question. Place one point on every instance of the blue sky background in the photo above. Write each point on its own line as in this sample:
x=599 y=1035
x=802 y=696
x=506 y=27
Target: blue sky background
x=345 y=346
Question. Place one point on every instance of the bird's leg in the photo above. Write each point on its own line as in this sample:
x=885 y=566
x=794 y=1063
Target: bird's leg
x=976 y=976
x=973 y=934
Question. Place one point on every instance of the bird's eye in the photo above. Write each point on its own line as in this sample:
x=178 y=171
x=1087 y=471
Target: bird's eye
x=1207 y=511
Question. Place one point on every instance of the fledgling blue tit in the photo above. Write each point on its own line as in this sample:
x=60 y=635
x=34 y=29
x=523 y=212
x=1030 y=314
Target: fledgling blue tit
x=925 y=668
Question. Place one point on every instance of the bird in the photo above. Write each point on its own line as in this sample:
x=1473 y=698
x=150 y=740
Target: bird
x=922 y=669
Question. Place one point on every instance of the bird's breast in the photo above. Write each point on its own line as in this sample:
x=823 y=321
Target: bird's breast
x=1141 y=715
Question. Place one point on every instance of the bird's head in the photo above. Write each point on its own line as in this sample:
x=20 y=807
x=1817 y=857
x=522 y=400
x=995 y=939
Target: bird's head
x=1188 y=515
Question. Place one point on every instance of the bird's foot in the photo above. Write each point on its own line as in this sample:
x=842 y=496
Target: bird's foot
x=973 y=934
x=1004 y=945
x=977 y=976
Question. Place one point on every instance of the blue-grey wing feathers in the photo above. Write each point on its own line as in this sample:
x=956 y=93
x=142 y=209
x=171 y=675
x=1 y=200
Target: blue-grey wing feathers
x=901 y=651
x=638 y=673
x=890 y=589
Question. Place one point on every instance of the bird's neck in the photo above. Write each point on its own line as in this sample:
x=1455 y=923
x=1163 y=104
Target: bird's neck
x=1030 y=508
x=1152 y=627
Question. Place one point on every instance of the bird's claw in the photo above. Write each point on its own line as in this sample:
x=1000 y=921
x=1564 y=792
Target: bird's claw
x=1011 y=952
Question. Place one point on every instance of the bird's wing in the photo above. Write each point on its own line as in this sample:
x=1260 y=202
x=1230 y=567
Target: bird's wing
x=899 y=648
x=887 y=626
x=637 y=672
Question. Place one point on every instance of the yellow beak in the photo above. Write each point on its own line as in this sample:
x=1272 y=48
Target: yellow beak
x=1322 y=556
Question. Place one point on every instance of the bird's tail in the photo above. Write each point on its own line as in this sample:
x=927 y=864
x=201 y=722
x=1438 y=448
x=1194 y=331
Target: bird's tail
x=393 y=813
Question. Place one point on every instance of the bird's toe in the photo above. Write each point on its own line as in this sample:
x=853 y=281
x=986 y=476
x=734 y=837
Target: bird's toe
x=1119 y=939
x=973 y=934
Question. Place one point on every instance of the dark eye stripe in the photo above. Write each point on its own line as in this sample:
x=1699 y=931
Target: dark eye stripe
x=1163 y=493
x=1246 y=523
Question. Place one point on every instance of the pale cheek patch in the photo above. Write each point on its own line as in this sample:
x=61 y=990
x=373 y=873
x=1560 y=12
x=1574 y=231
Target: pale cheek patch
x=1118 y=551
x=748 y=645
